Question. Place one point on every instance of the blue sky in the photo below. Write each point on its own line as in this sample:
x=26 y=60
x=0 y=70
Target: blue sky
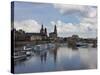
x=64 y=16
x=43 y=13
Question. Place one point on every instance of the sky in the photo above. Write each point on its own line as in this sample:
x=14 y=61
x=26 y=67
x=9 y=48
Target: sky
x=70 y=19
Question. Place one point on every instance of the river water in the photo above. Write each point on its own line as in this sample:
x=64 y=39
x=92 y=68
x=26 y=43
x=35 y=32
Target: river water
x=59 y=59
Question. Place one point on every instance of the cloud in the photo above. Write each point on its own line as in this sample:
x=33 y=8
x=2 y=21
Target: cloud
x=82 y=10
x=87 y=27
x=27 y=25
x=81 y=29
x=92 y=21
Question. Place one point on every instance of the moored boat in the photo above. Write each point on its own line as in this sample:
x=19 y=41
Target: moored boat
x=81 y=44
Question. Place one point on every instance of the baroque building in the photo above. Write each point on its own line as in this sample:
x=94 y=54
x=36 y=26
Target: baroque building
x=20 y=35
x=43 y=32
x=53 y=35
x=38 y=36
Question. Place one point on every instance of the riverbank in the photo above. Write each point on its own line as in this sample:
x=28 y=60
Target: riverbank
x=23 y=43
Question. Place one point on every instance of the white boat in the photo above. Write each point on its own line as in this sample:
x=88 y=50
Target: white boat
x=27 y=48
x=28 y=53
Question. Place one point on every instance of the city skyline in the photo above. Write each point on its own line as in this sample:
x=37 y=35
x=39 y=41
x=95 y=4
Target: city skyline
x=69 y=19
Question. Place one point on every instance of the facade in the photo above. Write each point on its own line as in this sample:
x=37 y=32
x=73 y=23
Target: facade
x=20 y=35
x=34 y=36
x=38 y=36
x=43 y=32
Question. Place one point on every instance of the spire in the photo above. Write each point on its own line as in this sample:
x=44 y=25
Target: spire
x=42 y=26
x=45 y=31
x=55 y=30
x=41 y=31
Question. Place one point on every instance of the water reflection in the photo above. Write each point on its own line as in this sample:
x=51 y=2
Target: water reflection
x=43 y=57
x=55 y=54
x=59 y=58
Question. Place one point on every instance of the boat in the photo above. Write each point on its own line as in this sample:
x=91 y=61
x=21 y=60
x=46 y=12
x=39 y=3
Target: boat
x=19 y=55
x=81 y=44
x=28 y=50
x=27 y=47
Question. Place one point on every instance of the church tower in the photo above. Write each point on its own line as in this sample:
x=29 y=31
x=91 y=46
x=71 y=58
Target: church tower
x=55 y=30
x=46 y=31
x=53 y=35
x=41 y=30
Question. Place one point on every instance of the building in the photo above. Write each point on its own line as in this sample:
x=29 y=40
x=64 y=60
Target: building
x=38 y=36
x=75 y=37
x=53 y=35
x=43 y=32
x=72 y=41
x=34 y=36
x=20 y=35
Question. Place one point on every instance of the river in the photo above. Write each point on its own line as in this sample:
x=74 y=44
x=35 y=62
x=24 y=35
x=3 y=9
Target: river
x=59 y=59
